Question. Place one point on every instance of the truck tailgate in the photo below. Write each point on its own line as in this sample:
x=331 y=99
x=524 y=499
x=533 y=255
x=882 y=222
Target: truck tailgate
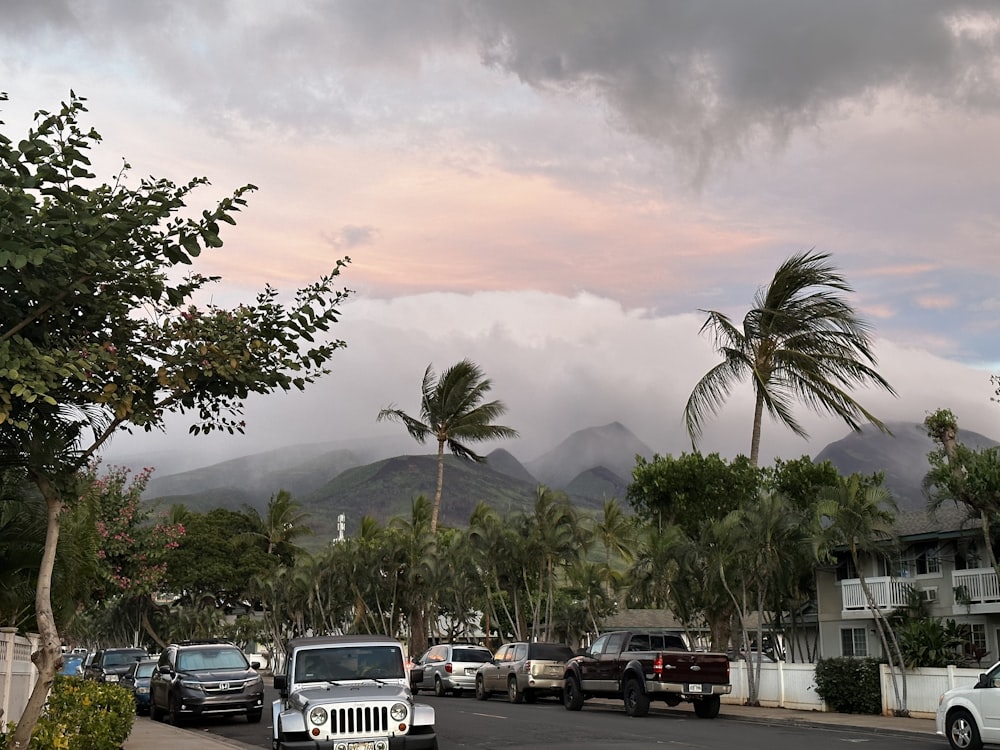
x=695 y=667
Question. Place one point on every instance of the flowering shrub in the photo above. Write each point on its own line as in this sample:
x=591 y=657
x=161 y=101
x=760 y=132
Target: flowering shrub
x=133 y=547
x=83 y=715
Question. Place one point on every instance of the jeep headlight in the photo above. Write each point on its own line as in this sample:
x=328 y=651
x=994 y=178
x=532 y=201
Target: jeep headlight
x=317 y=716
x=398 y=711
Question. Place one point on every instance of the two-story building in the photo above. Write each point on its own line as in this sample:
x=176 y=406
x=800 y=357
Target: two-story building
x=941 y=557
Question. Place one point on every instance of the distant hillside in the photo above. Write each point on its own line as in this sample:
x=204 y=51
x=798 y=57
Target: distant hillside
x=300 y=469
x=387 y=488
x=612 y=447
x=902 y=456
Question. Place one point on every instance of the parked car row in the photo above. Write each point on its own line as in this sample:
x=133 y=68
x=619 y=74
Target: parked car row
x=521 y=670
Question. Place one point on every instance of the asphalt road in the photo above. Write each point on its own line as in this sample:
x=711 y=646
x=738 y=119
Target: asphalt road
x=464 y=723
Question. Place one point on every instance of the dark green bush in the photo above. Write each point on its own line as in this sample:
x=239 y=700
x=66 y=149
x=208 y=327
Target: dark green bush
x=83 y=715
x=849 y=686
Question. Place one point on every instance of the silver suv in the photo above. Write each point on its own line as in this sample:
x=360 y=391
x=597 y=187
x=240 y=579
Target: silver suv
x=524 y=671
x=348 y=692
x=451 y=667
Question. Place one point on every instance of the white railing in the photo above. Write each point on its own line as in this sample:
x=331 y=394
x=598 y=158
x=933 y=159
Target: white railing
x=975 y=586
x=887 y=593
x=17 y=673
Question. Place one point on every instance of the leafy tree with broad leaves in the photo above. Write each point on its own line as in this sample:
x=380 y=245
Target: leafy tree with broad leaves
x=692 y=487
x=969 y=478
x=801 y=341
x=101 y=331
x=453 y=411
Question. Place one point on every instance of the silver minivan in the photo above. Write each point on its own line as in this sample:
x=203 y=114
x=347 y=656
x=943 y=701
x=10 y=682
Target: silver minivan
x=450 y=667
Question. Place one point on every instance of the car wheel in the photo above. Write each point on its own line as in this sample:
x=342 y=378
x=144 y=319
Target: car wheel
x=253 y=717
x=175 y=711
x=482 y=694
x=963 y=734
x=636 y=700
x=514 y=694
x=572 y=695
x=439 y=690
x=155 y=713
x=708 y=708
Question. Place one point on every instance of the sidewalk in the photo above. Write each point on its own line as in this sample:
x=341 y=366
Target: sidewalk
x=152 y=735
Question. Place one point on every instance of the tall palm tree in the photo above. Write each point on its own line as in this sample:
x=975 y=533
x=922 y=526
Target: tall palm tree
x=858 y=514
x=452 y=411
x=800 y=341
x=617 y=533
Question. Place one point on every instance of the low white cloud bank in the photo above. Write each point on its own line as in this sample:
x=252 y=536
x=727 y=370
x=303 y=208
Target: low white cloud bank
x=560 y=364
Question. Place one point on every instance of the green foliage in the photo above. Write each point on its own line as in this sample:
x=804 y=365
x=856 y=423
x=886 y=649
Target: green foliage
x=84 y=715
x=849 y=686
x=689 y=489
x=218 y=555
x=929 y=642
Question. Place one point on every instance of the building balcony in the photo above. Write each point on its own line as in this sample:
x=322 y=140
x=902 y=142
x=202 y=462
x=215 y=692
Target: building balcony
x=975 y=586
x=887 y=593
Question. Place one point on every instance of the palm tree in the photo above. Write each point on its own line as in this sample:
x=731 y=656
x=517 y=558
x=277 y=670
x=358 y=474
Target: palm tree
x=281 y=526
x=617 y=533
x=800 y=341
x=858 y=514
x=452 y=411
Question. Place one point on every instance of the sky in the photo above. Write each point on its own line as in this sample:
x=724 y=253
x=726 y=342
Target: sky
x=557 y=189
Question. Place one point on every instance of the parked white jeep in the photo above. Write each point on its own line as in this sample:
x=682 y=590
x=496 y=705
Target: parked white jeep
x=348 y=693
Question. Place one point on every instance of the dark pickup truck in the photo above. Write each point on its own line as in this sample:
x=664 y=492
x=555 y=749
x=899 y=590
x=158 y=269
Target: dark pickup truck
x=642 y=666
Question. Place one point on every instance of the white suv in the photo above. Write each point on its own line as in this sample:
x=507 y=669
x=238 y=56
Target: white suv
x=969 y=715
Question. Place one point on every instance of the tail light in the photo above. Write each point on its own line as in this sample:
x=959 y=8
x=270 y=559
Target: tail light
x=658 y=665
x=448 y=667
x=526 y=667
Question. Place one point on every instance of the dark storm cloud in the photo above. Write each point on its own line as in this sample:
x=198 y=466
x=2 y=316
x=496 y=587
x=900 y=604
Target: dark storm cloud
x=706 y=80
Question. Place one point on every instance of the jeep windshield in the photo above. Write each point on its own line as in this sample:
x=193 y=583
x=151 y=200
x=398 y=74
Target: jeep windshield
x=349 y=663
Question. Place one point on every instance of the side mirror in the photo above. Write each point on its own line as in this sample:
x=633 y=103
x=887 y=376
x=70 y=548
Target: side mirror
x=983 y=681
x=255 y=665
x=281 y=683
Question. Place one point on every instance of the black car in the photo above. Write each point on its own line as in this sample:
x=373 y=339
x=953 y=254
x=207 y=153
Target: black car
x=205 y=678
x=109 y=664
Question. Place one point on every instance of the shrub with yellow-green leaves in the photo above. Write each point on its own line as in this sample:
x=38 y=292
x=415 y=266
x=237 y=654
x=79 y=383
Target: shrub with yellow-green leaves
x=83 y=715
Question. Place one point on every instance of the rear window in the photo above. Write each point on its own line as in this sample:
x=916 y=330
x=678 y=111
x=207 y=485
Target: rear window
x=121 y=658
x=550 y=652
x=470 y=654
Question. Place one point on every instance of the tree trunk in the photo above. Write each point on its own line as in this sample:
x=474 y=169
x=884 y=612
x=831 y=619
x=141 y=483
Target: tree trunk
x=758 y=415
x=440 y=485
x=48 y=655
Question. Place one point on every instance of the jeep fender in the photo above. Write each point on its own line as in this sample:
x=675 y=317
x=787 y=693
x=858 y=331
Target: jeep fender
x=291 y=721
x=423 y=715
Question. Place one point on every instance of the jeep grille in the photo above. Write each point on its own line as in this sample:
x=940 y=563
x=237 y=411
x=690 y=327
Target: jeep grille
x=359 y=720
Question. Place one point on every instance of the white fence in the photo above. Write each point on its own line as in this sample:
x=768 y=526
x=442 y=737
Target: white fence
x=793 y=686
x=924 y=687
x=17 y=673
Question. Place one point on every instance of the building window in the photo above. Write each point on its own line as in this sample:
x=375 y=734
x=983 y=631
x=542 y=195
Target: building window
x=845 y=568
x=853 y=642
x=977 y=640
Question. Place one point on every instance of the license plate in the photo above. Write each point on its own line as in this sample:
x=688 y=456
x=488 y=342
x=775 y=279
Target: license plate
x=363 y=745
x=693 y=688
x=470 y=671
